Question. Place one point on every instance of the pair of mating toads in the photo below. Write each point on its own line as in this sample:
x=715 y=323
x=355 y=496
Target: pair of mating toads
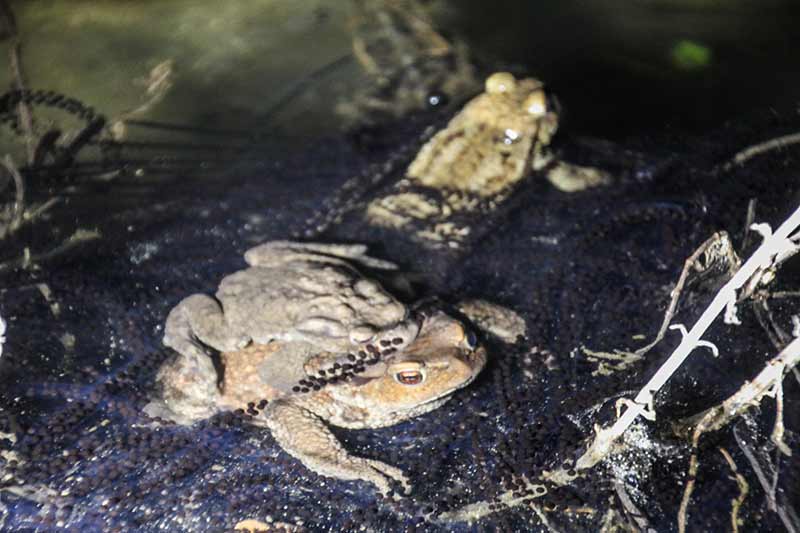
x=309 y=337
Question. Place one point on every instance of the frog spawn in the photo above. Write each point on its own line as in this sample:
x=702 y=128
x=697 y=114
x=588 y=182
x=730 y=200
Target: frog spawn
x=184 y=461
x=357 y=363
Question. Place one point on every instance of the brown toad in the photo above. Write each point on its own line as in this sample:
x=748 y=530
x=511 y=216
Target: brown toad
x=408 y=63
x=476 y=160
x=305 y=330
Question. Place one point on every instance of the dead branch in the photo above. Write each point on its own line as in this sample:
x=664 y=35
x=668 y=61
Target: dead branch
x=25 y=117
x=763 y=147
x=767 y=382
x=774 y=248
x=750 y=394
x=744 y=488
x=748 y=223
x=715 y=253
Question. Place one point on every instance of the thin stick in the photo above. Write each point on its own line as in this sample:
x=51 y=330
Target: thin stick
x=761 y=259
x=760 y=148
x=675 y=294
x=748 y=221
x=744 y=488
x=630 y=507
x=76 y=238
x=751 y=393
x=785 y=514
x=687 y=492
x=778 y=429
x=19 y=201
x=25 y=118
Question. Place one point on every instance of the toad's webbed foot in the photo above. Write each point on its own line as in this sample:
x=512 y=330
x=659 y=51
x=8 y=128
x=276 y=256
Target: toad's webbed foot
x=493 y=319
x=574 y=178
x=305 y=436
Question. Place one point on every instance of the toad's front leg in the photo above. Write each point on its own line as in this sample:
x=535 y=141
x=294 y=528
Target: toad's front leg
x=303 y=435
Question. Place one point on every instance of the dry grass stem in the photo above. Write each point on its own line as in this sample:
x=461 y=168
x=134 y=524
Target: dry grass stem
x=757 y=149
x=630 y=507
x=687 y=492
x=18 y=209
x=766 y=383
x=715 y=253
x=744 y=488
x=784 y=510
x=28 y=259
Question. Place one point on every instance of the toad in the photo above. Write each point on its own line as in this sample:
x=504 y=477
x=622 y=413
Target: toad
x=473 y=164
x=305 y=340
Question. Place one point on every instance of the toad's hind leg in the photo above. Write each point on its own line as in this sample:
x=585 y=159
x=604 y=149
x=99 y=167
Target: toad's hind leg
x=199 y=317
x=188 y=382
x=305 y=436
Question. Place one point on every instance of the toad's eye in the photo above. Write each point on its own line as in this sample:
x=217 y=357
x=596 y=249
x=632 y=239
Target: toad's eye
x=409 y=377
x=471 y=339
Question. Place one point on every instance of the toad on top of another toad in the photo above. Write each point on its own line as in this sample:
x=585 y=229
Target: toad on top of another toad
x=306 y=336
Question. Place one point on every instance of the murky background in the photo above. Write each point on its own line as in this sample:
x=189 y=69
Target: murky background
x=178 y=134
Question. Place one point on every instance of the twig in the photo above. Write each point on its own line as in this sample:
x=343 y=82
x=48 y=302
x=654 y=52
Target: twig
x=765 y=383
x=777 y=336
x=748 y=222
x=778 y=429
x=716 y=246
x=744 y=488
x=773 y=247
x=19 y=201
x=25 y=118
x=79 y=236
x=760 y=148
x=687 y=491
x=785 y=512
x=784 y=294
x=631 y=508
x=543 y=517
